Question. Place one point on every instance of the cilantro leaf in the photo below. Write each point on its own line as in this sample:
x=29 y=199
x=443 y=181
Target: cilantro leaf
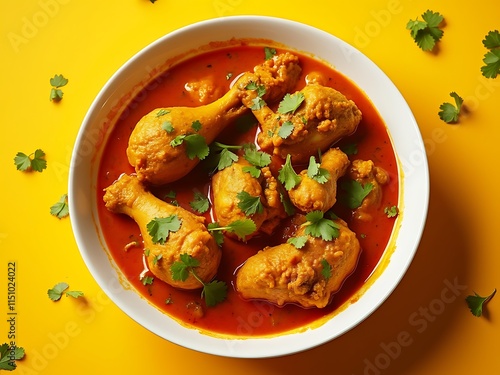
x=147 y=280
x=317 y=173
x=226 y=159
x=476 y=302
x=392 y=211
x=326 y=270
x=286 y=129
x=449 y=113
x=196 y=146
x=200 y=202
x=299 y=242
x=196 y=125
x=249 y=204
x=57 y=291
x=318 y=226
x=214 y=292
x=160 y=228
x=354 y=193
x=287 y=175
x=257 y=103
x=290 y=103
x=492 y=58
x=31 y=162
x=8 y=356
x=241 y=228
x=427 y=32
x=258 y=158
x=60 y=209
x=57 y=81
x=167 y=126
x=214 y=228
x=269 y=53
x=162 y=112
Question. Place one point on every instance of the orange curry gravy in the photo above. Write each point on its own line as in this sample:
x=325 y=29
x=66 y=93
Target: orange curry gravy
x=235 y=316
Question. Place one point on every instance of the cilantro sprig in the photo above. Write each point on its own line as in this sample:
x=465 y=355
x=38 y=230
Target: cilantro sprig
x=257 y=102
x=427 y=32
x=9 y=355
x=492 y=58
x=60 y=209
x=319 y=226
x=56 y=292
x=326 y=269
x=241 y=228
x=249 y=204
x=290 y=103
x=299 y=242
x=32 y=162
x=449 y=113
x=258 y=159
x=214 y=292
x=58 y=81
x=196 y=145
x=315 y=171
x=269 y=53
x=200 y=202
x=160 y=227
x=287 y=175
x=476 y=302
x=354 y=193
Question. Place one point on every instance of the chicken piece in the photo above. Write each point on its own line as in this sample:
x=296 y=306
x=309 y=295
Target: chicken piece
x=366 y=172
x=324 y=117
x=128 y=196
x=311 y=195
x=228 y=183
x=285 y=274
x=158 y=159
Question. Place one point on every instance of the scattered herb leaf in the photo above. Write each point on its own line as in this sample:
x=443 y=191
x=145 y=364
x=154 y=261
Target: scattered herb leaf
x=241 y=228
x=60 y=209
x=200 y=202
x=326 y=270
x=354 y=193
x=317 y=173
x=31 y=162
x=290 y=103
x=492 y=58
x=196 y=146
x=56 y=94
x=147 y=280
x=319 y=226
x=57 y=291
x=476 y=302
x=160 y=228
x=214 y=292
x=8 y=356
x=287 y=175
x=167 y=126
x=427 y=32
x=269 y=52
x=286 y=129
x=249 y=204
x=299 y=242
x=391 y=211
x=162 y=112
x=449 y=113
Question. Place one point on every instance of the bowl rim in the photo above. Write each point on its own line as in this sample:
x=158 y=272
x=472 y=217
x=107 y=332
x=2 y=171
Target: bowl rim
x=261 y=347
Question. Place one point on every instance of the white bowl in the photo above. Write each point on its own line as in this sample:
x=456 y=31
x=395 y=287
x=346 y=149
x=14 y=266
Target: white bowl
x=407 y=141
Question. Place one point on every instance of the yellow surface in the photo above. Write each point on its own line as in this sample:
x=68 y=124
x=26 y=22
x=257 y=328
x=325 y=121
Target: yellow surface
x=423 y=328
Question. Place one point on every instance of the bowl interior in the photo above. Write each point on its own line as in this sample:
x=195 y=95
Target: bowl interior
x=142 y=68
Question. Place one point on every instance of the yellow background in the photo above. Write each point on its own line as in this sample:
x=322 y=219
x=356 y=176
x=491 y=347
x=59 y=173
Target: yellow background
x=423 y=328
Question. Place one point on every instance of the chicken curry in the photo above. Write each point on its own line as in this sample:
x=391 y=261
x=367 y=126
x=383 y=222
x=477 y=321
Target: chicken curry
x=248 y=190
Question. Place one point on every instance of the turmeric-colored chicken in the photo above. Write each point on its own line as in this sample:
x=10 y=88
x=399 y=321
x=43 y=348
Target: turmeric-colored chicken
x=311 y=194
x=365 y=171
x=324 y=117
x=228 y=206
x=164 y=145
x=285 y=274
x=128 y=196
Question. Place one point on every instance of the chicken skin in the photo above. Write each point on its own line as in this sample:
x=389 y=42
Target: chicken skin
x=311 y=195
x=128 y=196
x=159 y=145
x=365 y=171
x=324 y=117
x=228 y=183
x=284 y=274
